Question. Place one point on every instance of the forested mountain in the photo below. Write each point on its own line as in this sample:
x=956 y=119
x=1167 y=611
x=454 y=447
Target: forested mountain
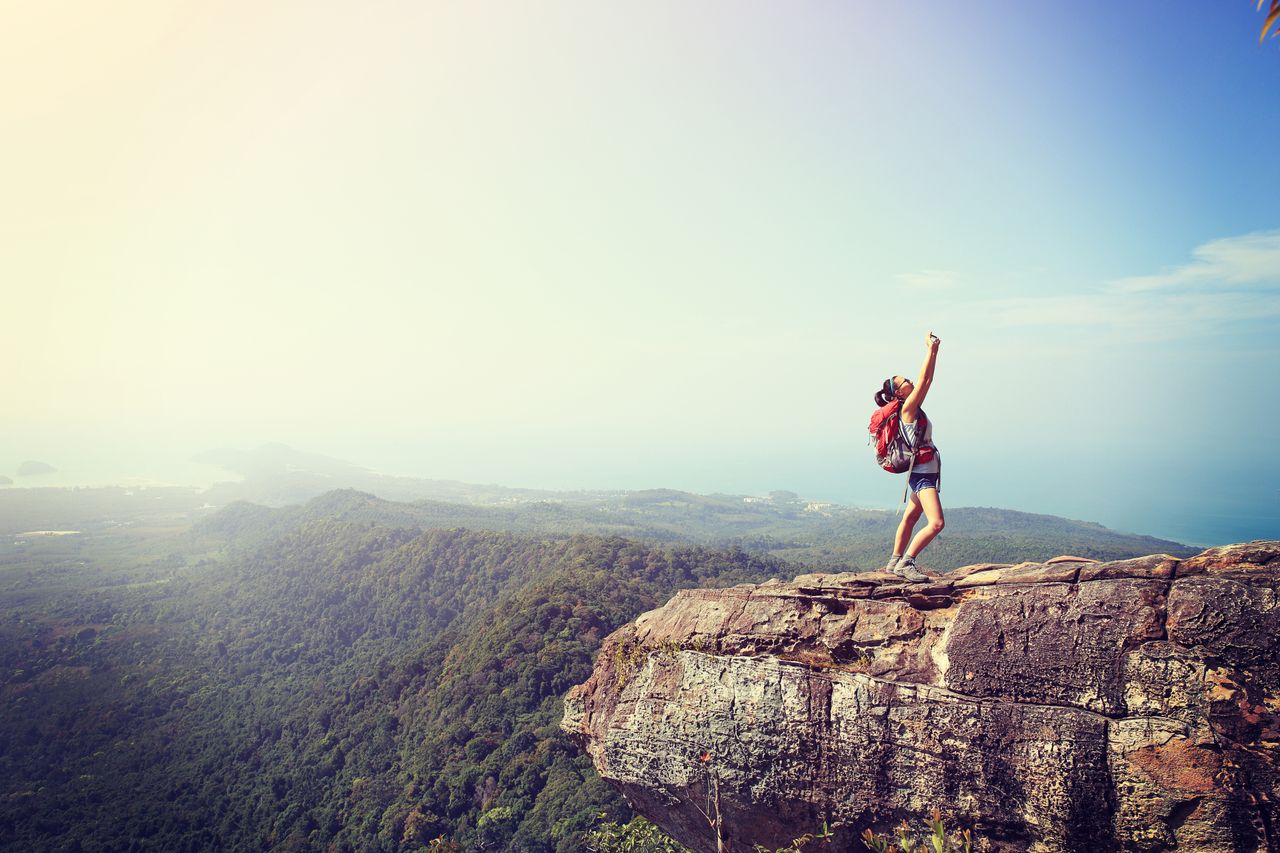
x=360 y=674
x=344 y=687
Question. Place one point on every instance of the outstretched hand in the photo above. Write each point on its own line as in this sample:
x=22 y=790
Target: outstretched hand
x=931 y=342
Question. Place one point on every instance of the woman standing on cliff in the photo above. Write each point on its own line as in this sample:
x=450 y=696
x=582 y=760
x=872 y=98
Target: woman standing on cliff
x=926 y=474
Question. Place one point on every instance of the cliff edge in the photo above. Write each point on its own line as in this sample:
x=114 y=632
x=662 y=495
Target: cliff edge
x=1061 y=706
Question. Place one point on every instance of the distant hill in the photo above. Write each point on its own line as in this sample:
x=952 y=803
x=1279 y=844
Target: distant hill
x=822 y=534
x=32 y=468
x=276 y=475
x=819 y=535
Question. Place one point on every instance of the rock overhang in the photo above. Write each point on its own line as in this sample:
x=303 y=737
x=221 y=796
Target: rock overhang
x=1031 y=701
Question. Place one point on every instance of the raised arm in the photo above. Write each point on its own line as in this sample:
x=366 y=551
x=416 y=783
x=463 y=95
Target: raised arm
x=916 y=398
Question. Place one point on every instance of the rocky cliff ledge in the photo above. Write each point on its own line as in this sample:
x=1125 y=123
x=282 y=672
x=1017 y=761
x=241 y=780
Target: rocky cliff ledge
x=1061 y=706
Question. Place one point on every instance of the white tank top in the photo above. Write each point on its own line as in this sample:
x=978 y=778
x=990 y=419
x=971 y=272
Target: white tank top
x=934 y=465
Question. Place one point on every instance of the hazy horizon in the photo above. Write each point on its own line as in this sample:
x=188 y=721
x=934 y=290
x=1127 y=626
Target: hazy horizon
x=583 y=246
x=91 y=472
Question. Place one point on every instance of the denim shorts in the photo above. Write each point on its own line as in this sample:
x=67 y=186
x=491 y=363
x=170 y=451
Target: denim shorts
x=924 y=481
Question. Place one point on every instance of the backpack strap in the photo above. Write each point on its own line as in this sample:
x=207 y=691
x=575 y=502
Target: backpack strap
x=918 y=430
x=907 y=487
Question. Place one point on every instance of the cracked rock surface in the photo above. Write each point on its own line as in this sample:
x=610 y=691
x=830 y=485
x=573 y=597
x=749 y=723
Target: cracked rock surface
x=1061 y=706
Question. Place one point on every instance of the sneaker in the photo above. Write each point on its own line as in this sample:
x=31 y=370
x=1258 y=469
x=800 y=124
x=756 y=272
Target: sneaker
x=893 y=563
x=907 y=570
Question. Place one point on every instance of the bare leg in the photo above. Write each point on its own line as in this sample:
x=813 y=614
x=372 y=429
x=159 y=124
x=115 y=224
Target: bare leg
x=908 y=524
x=932 y=505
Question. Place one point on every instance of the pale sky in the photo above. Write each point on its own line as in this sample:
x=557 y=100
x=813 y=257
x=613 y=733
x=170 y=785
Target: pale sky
x=670 y=244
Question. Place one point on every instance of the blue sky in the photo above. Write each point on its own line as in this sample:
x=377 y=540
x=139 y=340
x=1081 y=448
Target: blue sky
x=582 y=245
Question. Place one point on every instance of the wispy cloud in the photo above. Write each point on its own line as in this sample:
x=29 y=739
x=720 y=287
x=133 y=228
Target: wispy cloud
x=1166 y=316
x=1228 y=280
x=1251 y=260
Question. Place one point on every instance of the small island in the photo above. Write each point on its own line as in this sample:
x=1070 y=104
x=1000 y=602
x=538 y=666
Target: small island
x=5 y=481
x=30 y=468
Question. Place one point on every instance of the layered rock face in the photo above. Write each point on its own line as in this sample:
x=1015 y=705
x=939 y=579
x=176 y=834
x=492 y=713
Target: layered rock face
x=1063 y=706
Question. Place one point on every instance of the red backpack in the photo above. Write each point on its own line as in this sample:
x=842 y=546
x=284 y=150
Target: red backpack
x=894 y=453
